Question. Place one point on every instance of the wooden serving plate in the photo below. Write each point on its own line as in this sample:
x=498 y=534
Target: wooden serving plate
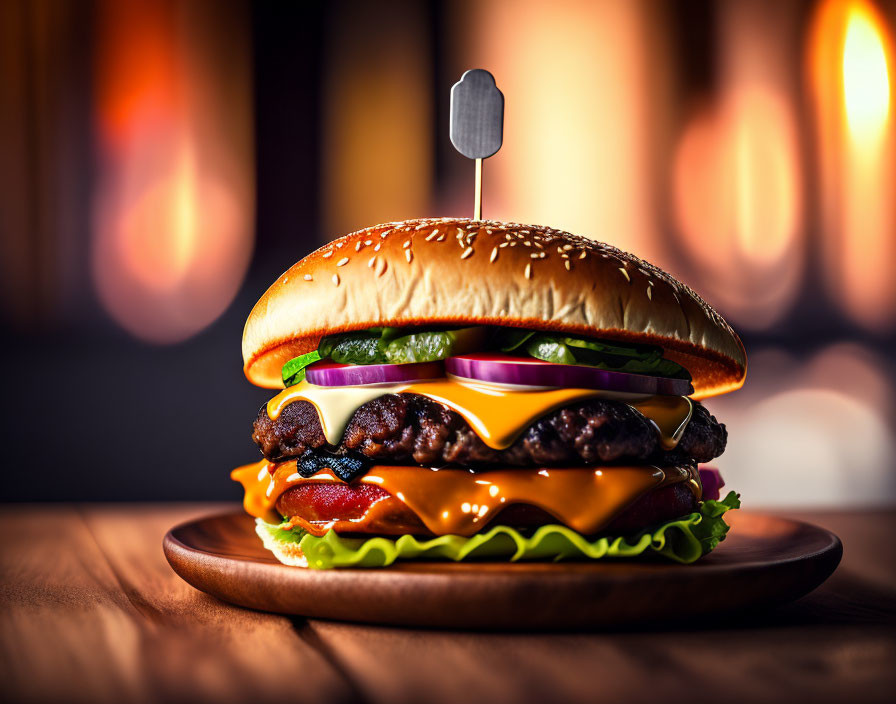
x=765 y=560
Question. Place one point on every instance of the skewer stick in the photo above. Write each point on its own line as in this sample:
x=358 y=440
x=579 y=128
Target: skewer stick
x=477 y=123
x=477 y=197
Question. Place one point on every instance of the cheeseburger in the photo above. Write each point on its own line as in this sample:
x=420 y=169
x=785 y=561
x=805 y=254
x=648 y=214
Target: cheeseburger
x=464 y=390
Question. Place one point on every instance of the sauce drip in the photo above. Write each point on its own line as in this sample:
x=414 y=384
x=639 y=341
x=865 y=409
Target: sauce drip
x=496 y=414
x=460 y=502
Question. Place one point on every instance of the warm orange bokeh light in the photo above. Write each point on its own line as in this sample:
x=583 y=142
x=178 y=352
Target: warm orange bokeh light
x=173 y=212
x=737 y=204
x=866 y=80
x=159 y=231
x=850 y=64
x=580 y=82
x=736 y=181
x=377 y=140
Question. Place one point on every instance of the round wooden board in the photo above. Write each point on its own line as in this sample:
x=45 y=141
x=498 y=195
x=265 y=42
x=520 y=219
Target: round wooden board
x=765 y=560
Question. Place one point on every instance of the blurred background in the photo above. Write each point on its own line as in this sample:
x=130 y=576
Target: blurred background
x=162 y=162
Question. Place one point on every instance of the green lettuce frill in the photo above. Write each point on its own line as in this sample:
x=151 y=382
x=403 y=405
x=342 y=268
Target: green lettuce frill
x=683 y=540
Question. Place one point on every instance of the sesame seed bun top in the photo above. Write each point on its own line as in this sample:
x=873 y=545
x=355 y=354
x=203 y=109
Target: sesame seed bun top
x=459 y=272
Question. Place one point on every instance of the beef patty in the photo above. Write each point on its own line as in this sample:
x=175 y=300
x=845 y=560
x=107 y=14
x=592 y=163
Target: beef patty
x=413 y=429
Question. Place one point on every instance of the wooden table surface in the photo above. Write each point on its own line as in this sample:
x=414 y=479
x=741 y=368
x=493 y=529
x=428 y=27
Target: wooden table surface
x=91 y=612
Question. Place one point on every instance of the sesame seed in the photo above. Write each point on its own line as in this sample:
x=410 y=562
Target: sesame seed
x=372 y=261
x=529 y=270
x=535 y=255
x=408 y=254
x=406 y=244
x=421 y=226
x=538 y=244
x=335 y=279
x=494 y=254
x=583 y=254
x=649 y=294
x=567 y=264
x=308 y=277
x=527 y=243
x=342 y=262
x=488 y=231
x=368 y=242
x=377 y=247
x=327 y=254
x=460 y=233
x=432 y=235
x=441 y=238
x=467 y=252
x=625 y=274
x=339 y=245
x=567 y=247
x=381 y=267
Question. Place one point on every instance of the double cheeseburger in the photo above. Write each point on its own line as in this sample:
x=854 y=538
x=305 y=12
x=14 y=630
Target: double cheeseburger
x=457 y=389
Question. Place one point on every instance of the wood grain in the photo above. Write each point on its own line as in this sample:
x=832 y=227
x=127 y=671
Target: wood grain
x=90 y=612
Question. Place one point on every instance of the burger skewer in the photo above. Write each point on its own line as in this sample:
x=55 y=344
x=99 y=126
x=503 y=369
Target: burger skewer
x=477 y=123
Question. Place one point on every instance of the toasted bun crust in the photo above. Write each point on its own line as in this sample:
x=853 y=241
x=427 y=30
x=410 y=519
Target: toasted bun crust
x=461 y=272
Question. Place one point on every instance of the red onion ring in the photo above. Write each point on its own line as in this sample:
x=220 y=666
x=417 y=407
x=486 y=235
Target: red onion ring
x=503 y=369
x=712 y=483
x=327 y=373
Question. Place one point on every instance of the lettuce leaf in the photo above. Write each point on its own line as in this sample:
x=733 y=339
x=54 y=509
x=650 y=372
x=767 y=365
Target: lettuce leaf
x=683 y=540
x=294 y=370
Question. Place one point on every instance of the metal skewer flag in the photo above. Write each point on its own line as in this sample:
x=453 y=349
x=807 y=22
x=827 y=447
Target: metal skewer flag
x=477 y=122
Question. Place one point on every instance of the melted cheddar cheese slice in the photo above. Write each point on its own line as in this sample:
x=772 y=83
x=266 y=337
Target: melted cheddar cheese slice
x=460 y=502
x=497 y=414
